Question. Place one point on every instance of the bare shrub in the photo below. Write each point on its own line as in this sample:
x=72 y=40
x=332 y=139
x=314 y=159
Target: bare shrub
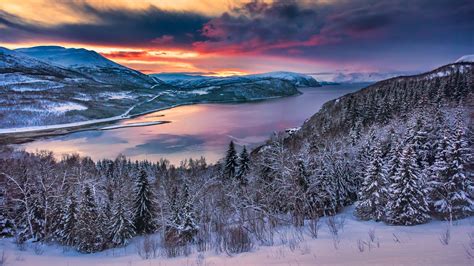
x=470 y=248
x=372 y=235
x=148 y=248
x=20 y=243
x=237 y=240
x=38 y=248
x=445 y=236
x=395 y=238
x=361 y=245
x=3 y=258
x=334 y=226
x=263 y=231
x=174 y=245
x=313 y=226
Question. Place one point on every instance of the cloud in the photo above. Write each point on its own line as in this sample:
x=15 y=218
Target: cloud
x=120 y=27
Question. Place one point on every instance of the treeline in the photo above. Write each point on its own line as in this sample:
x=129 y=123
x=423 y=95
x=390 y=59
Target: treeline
x=401 y=151
x=403 y=173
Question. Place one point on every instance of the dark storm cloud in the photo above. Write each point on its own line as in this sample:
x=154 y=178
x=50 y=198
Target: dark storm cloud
x=340 y=31
x=148 y=27
x=362 y=28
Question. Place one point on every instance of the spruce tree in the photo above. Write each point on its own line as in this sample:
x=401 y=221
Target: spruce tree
x=69 y=220
x=407 y=204
x=373 y=192
x=452 y=187
x=144 y=211
x=231 y=160
x=189 y=228
x=89 y=231
x=122 y=224
x=244 y=167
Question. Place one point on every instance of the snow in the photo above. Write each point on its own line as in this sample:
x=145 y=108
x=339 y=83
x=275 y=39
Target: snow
x=65 y=107
x=142 y=124
x=466 y=58
x=68 y=57
x=117 y=95
x=418 y=245
x=66 y=125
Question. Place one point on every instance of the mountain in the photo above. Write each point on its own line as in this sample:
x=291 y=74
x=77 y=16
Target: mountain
x=35 y=92
x=187 y=80
x=172 y=77
x=50 y=85
x=466 y=58
x=91 y=64
x=387 y=100
x=365 y=77
x=299 y=80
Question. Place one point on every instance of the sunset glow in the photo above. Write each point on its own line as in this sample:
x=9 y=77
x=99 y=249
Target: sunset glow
x=219 y=37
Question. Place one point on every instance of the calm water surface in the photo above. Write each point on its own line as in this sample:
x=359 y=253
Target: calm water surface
x=195 y=130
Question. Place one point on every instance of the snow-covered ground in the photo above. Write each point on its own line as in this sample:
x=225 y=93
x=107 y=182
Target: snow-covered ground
x=392 y=245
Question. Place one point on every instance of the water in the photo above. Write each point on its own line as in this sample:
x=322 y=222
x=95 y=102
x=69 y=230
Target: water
x=195 y=130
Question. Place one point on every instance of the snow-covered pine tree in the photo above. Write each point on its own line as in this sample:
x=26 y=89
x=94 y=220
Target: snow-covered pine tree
x=189 y=228
x=67 y=234
x=89 y=231
x=407 y=204
x=122 y=223
x=244 y=167
x=373 y=192
x=452 y=187
x=231 y=161
x=144 y=211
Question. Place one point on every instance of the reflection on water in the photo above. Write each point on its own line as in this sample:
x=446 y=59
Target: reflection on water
x=196 y=130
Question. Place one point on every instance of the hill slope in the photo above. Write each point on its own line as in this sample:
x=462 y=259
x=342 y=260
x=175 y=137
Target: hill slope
x=91 y=64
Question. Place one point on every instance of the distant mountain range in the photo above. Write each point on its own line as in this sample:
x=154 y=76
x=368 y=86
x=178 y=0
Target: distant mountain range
x=189 y=80
x=48 y=85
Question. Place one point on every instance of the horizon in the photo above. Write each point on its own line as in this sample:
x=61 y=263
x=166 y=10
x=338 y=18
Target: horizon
x=234 y=37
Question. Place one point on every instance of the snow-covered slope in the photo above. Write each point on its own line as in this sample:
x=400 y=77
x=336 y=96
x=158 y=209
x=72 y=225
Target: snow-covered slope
x=68 y=57
x=299 y=80
x=466 y=58
x=357 y=243
x=185 y=80
x=173 y=77
x=89 y=63
x=35 y=92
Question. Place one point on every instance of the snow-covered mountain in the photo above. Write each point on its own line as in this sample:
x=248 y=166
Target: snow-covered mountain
x=89 y=63
x=182 y=80
x=36 y=92
x=299 y=80
x=466 y=58
x=365 y=77
x=172 y=77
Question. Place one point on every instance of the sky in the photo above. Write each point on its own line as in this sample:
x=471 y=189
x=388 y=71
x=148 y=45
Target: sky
x=224 y=37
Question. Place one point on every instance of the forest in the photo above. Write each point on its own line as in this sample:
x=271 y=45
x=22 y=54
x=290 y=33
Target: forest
x=402 y=163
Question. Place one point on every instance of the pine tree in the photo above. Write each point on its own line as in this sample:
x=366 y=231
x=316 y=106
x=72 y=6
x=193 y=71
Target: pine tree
x=452 y=188
x=373 y=192
x=144 y=214
x=231 y=160
x=189 y=228
x=407 y=205
x=89 y=231
x=244 y=166
x=69 y=219
x=122 y=224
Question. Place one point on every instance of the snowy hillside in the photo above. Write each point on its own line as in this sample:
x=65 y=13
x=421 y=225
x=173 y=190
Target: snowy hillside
x=466 y=58
x=187 y=80
x=299 y=80
x=35 y=92
x=68 y=57
x=91 y=64
x=357 y=243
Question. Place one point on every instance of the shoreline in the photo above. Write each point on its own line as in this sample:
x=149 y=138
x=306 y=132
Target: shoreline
x=24 y=136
